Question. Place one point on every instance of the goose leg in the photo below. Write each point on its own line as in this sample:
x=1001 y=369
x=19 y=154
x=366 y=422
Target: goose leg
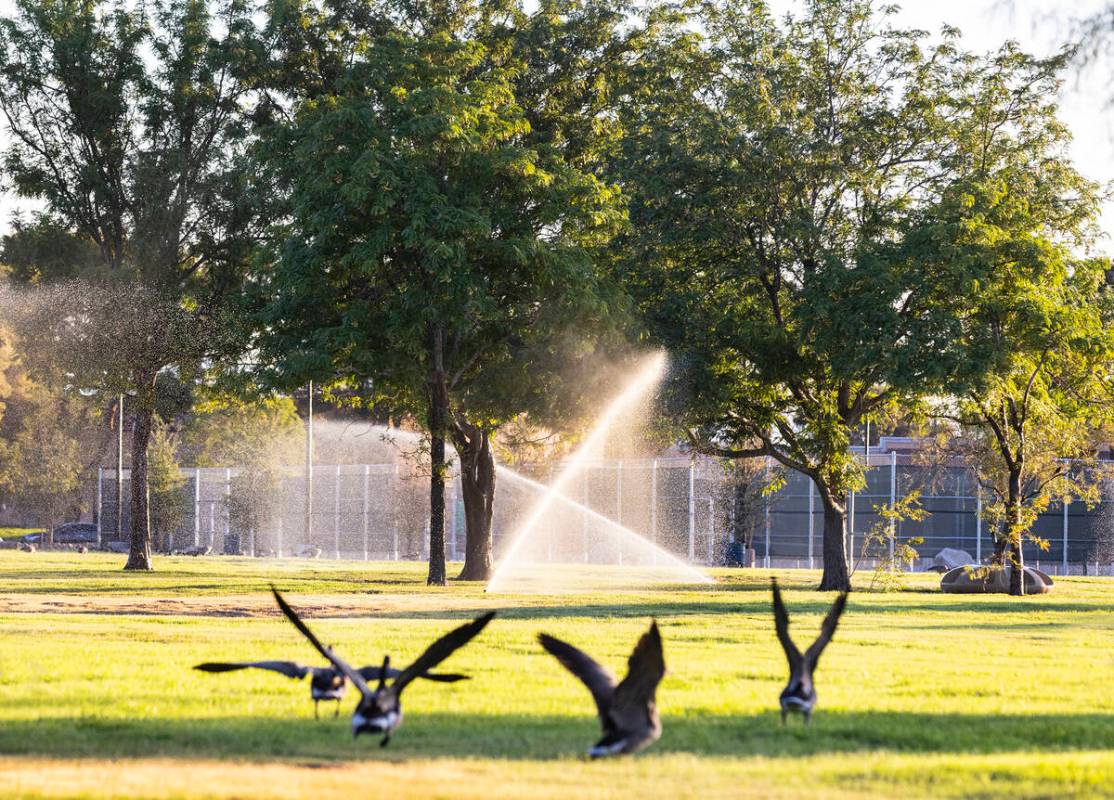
x=336 y=711
x=784 y=714
x=316 y=715
x=386 y=740
x=808 y=716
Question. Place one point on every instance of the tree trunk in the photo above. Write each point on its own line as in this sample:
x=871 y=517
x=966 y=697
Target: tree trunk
x=477 y=484
x=1014 y=515
x=835 y=577
x=139 y=556
x=438 y=426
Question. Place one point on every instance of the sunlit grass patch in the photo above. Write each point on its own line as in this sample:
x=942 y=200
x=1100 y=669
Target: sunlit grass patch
x=921 y=694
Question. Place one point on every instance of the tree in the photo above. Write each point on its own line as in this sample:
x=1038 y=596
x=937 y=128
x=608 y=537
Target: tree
x=44 y=250
x=1032 y=347
x=774 y=170
x=100 y=337
x=458 y=248
x=41 y=463
x=126 y=123
x=748 y=484
x=169 y=503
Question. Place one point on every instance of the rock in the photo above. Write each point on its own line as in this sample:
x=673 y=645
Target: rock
x=196 y=550
x=949 y=558
x=27 y=547
x=116 y=547
x=975 y=579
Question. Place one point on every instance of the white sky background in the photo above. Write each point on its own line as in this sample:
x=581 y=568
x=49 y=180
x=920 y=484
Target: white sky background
x=1039 y=26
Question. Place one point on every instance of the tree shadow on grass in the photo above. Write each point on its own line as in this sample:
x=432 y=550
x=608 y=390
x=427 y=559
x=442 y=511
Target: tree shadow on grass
x=519 y=736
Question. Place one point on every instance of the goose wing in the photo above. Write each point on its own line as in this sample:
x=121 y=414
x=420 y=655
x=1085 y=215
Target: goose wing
x=827 y=629
x=287 y=668
x=440 y=650
x=372 y=673
x=645 y=669
x=781 y=622
x=338 y=662
x=600 y=682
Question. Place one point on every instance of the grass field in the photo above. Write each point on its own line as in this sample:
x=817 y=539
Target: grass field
x=921 y=694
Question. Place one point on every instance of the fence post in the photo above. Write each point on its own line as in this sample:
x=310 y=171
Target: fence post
x=336 y=514
x=100 y=503
x=893 y=502
x=281 y=521
x=120 y=468
x=711 y=530
x=367 y=507
x=654 y=510
x=197 y=508
x=851 y=528
x=394 y=527
x=453 y=485
x=766 y=557
x=811 y=519
x=1064 y=560
x=228 y=507
x=583 y=516
x=978 y=521
x=692 y=512
x=619 y=502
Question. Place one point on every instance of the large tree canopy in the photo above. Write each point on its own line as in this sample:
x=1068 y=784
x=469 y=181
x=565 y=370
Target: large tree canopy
x=779 y=175
x=432 y=250
x=1031 y=347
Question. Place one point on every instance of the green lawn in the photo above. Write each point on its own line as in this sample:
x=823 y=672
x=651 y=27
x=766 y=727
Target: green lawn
x=921 y=694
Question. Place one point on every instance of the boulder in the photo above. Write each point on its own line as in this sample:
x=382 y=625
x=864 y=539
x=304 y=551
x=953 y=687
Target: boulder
x=949 y=558
x=975 y=579
x=196 y=550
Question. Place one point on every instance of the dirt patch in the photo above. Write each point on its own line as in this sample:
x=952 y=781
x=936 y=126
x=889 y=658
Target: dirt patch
x=247 y=605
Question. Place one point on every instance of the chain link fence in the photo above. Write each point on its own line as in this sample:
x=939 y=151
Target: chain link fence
x=687 y=506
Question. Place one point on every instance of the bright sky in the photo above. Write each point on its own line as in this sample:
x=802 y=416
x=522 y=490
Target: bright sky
x=1039 y=26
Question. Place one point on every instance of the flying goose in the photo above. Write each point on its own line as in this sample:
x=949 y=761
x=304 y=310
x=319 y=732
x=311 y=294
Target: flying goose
x=325 y=683
x=799 y=695
x=379 y=709
x=627 y=711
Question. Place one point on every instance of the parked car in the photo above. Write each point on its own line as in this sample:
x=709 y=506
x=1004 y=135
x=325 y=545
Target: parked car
x=67 y=533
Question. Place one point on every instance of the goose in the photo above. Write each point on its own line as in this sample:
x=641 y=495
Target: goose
x=628 y=712
x=380 y=709
x=325 y=683
x=799 y=695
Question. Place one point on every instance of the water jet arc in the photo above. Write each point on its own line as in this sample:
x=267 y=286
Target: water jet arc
x=644 y=380
x=668 y=559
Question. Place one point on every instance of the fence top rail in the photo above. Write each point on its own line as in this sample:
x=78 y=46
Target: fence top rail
x=320 y=470
x=702 y=464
